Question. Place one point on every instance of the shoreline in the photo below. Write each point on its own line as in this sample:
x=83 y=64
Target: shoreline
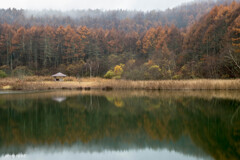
x=30 y=84
x=121 y=94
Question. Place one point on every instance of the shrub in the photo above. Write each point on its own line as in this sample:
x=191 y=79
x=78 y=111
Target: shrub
x=134 y=74
x=6 y=69
x=117 y=77
x=154 y=72
x=21 y=71
x=177 y=76
x=75 y=68
x=2 y=74
x=116 y=73
x=109 y=75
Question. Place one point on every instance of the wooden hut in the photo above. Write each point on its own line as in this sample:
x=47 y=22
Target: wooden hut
x=59 y=76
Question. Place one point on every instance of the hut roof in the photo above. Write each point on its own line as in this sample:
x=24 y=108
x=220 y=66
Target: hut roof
x=59 y=74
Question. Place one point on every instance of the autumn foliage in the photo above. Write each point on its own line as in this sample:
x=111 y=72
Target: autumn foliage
x=207 y=47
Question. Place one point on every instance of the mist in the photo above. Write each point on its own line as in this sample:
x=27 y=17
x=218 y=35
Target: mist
x=64 y=5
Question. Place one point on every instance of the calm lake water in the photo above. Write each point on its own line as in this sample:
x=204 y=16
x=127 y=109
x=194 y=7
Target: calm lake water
x=98 y=125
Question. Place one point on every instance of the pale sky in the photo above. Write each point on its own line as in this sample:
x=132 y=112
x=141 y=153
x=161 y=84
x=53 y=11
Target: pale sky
x=92 y=4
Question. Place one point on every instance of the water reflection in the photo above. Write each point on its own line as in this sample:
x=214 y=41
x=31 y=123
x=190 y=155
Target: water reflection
x=116 y=155
x=176 y=125
x=59 y=99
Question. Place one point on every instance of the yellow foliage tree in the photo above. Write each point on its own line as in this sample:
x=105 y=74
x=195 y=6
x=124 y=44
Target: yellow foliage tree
x=118 y=70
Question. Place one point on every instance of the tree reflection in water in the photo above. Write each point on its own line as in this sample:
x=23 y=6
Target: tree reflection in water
x=192 y=125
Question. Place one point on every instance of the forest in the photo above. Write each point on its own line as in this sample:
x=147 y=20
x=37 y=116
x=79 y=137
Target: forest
x=200 y=39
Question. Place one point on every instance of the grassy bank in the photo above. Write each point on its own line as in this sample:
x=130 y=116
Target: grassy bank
x=45 y=83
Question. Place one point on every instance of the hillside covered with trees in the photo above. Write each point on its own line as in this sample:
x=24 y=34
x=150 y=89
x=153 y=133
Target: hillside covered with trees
x=196 y=40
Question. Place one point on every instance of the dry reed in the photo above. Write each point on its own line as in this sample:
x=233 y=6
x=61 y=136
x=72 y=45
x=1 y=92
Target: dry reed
x=44 y=83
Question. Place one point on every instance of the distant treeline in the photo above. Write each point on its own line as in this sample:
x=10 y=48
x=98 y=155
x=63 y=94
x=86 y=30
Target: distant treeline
x=195 y=40
x=123 y=20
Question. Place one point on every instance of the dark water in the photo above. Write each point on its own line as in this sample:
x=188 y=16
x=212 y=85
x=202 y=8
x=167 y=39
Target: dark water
x=120 y=125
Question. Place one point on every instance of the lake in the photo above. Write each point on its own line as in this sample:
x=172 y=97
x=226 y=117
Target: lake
x=102 y=125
